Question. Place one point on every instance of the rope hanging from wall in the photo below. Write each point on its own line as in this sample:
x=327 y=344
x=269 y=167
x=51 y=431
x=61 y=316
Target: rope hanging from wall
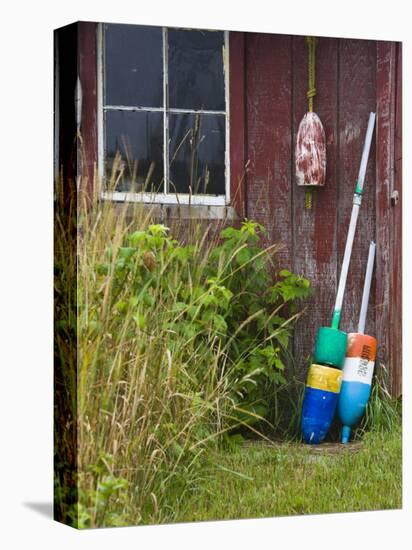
x=311 y=42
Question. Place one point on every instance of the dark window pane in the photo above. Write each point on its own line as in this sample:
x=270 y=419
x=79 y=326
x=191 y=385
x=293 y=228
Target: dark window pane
x=196 y=78
x=197 y=154
x=134 y=65
x=138 y=137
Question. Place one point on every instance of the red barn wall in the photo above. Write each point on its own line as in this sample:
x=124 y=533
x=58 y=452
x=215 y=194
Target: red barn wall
x=353 y=78
x=268 y=84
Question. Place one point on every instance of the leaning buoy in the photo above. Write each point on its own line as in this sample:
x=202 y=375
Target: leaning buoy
x=357 y=380
x=319 y=402
x=330 y=347
x=359 y=363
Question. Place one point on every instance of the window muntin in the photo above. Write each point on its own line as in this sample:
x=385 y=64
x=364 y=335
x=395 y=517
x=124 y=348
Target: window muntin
x=180 y=147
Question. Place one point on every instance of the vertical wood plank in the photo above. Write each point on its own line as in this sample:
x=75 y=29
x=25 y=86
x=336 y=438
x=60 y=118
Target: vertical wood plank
x=87 y=72
x=386 y=77
x=386 y=294
x=67 y=41
x=237 y=121
x=357 y=98
x=315 y=229
x=268 y=95
x=396 y=225
x=65 y=295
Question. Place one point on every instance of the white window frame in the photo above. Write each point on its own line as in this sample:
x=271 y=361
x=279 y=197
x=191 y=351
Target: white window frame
x=161 y=198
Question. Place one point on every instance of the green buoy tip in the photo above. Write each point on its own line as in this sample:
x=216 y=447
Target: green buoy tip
x=330 y=347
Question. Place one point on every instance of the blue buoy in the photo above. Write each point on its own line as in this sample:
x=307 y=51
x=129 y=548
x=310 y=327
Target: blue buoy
x=357 y=381
x=319 y=402
x=359 y=363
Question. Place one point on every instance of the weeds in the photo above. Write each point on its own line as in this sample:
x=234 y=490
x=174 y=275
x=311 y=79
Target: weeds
x=383 y=413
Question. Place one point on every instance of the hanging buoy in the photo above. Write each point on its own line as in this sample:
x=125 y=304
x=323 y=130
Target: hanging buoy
x=310 y=151
x=359 y=364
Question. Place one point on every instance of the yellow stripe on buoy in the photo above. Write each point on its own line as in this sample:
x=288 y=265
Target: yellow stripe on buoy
x=321 y=377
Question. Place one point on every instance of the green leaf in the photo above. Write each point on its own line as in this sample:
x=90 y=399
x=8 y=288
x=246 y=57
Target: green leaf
x=126 y=252
x=137 y=238
x=158 y=230
x=102 y=269
x=179 y=306
x=282 y=336
x=230 y=233
x=140 y=320
x=243 y=256
x=121 y=306
x=148 y=299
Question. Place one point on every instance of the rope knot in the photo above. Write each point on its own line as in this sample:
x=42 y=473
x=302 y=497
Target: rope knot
x=311 y=93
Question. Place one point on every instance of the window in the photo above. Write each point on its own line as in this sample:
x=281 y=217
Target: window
x=163 y=107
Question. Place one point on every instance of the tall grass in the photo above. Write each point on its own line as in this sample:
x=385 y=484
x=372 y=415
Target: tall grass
x=383 y=412
x=148 y=405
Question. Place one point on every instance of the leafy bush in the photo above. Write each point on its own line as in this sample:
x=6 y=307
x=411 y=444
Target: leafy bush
x=259 y=316
x=225 y=304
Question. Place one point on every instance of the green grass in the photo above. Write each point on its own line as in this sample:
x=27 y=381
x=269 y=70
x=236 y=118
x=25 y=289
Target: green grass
x=261 y=481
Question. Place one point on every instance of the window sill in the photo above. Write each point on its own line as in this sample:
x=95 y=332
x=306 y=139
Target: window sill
x=166 y=199
x=166 y=212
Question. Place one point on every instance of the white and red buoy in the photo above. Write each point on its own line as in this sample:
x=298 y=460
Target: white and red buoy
x=310 y=151
x=359 y=364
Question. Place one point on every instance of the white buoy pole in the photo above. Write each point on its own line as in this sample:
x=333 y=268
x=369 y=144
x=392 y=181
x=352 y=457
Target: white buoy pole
x=357 y=200
x=366 y=288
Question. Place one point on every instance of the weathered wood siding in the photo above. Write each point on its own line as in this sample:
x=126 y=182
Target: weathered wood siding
x=268 y=84
x=353 y=77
